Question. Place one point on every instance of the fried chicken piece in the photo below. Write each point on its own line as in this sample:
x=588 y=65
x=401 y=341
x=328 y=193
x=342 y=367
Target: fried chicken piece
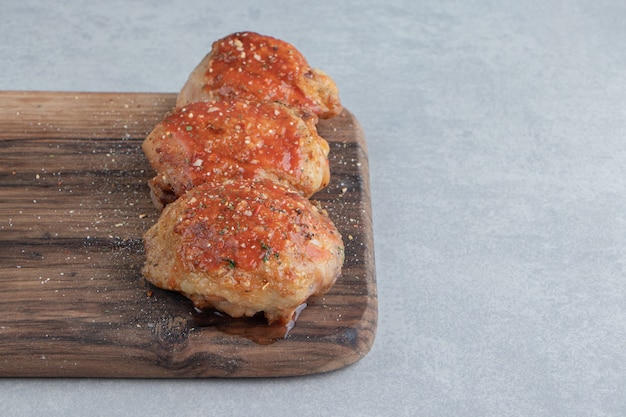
x=234 y=138
x=244 y=246
x=261 y=68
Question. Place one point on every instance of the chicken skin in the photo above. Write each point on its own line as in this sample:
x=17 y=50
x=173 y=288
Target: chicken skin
x=235 y=138
x=261 y=68
x=244 y=246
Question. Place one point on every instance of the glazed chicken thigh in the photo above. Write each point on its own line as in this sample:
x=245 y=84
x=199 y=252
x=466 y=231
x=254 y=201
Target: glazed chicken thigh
x=261 y=68
x=236 y=161
x=244 y=246
x=234 y=138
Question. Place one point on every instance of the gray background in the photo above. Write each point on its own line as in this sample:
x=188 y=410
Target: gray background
x=496 y=134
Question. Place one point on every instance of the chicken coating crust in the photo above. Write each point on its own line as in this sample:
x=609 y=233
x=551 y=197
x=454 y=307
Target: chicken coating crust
x=235 y=138
x=261 y=68
x=244 y=246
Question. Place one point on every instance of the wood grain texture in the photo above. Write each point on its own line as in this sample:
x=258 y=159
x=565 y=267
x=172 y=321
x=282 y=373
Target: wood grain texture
x=74 y=205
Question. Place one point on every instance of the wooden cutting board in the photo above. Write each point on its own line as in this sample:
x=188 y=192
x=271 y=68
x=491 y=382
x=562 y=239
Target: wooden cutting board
x=74 y=205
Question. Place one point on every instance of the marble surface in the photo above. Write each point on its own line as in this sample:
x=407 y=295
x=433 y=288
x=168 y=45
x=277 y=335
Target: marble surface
x=497 y=141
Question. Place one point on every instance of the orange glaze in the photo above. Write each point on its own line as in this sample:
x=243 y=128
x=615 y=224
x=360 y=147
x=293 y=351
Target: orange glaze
x=258 y=67
x=233 y=138
x=240 y=224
